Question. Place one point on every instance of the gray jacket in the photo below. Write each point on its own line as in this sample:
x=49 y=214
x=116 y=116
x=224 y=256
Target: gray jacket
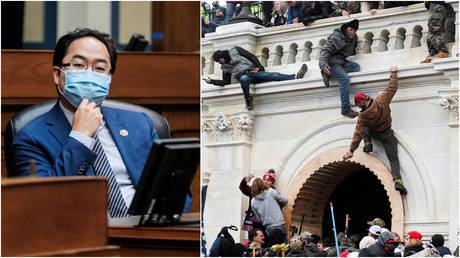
x=266 y=206
x=338 y=47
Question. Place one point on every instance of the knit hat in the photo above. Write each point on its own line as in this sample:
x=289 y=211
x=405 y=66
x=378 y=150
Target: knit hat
x=415 y=235
x=358 y=97
x=366 y=242
x=354 y=24
x=270 y=174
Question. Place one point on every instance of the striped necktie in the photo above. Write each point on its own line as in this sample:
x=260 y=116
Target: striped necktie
x=117 y=205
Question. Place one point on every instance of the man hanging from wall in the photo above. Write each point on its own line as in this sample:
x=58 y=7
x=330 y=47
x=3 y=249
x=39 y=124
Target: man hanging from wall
x=374 y=122
x=332 y=61
x=247 y=69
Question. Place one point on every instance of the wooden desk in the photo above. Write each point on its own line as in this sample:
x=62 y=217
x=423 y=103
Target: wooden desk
x=151 y=241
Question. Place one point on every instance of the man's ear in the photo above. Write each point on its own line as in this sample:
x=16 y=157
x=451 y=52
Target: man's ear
x=56 y=73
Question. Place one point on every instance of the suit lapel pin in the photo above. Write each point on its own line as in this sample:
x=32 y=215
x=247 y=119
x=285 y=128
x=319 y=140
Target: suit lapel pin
x=123 y=132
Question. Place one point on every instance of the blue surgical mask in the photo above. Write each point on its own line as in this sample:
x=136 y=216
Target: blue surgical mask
x=86 y=84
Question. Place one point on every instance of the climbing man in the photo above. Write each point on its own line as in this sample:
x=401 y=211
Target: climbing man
x=374 y=122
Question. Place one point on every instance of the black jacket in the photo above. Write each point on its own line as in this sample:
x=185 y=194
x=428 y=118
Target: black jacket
x=412 y=250
x=321 y=11
x=227 y=77
x=377 y=250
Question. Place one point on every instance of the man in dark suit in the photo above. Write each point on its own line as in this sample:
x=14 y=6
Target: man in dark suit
x=78 y=137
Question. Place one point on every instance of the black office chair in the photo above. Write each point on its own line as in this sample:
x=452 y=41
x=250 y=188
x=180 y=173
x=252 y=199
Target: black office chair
x=32 y=112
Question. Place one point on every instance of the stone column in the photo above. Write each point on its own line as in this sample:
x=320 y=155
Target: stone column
x=449 y=100
x=378 y=44
x=228 y=152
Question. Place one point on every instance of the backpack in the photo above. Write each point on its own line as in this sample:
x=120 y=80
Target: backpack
x=226 y=243
x=429 y=251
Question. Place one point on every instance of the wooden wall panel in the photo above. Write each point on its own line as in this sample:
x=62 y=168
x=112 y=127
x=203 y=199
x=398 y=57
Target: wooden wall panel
x=167 y=83
x=168 y=16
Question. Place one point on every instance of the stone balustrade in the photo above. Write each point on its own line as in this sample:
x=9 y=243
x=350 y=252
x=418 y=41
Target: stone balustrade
x=395 y=35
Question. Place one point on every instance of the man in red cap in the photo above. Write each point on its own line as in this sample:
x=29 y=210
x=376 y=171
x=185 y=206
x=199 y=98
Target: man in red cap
x=374 y=121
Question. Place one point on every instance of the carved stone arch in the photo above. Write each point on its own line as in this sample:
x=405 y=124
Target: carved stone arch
x=326 y=143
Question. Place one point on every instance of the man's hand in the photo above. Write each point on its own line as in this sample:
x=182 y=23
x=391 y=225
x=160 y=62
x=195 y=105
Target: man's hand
x=206 y=21
x=254 y=70
x=373 y=11
x=327 y=70
x=394 y=69
x=349 y=154
x=87 y=118
x=296 y=20
x=345 y=13
x=208 y=80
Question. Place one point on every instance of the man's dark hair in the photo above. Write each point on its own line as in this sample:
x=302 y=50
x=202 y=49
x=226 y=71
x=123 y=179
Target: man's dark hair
x=64 y=42
x=253 y=233
x=437 y=240
x=326 y=242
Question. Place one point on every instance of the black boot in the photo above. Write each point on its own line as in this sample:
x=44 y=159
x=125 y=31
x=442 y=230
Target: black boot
x=399 y=186
x=249 y=103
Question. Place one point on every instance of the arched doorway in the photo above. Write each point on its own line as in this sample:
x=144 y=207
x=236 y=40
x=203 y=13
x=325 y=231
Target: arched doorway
x=326 y=179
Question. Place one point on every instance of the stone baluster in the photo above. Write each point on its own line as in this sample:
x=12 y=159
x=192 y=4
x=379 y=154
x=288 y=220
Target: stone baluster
x=285 y=56
x=395 y=42
x=208 y=65
x=271 y=57
x=423 y=42
x=301 y=51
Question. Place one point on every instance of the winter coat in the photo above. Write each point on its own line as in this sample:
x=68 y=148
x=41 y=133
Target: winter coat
x=378 y=116
x=408 y=251
x=266 y=206
x=377 y=250
x=350 y=6
x=444 y=250
x=227 y=67
x=321 y=11
x=295 y=12
x=246 y=190
x=338 y=47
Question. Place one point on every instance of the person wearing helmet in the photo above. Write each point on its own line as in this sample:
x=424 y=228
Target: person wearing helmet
x=297 y=245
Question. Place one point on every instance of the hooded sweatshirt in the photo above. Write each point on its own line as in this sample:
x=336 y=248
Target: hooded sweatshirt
x=266 y=206
x=378 y=250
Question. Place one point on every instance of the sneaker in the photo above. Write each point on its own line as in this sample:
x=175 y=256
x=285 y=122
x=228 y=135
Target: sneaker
x=367 y=147
x=399 y=186
x=302 y=71
x=350 y=113
x=249 y=103
x=325 y=78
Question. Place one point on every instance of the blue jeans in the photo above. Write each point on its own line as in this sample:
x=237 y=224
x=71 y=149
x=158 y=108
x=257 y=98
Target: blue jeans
x=230 y=10
x=260 y=77
x=339 y=72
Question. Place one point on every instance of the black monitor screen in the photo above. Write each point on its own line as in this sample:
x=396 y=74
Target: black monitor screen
x=167 y=176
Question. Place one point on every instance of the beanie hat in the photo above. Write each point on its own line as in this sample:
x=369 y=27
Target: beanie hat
x=271 y=175
x=358 y=97
x=354 y=24
x=437 y=240
x=415 y=235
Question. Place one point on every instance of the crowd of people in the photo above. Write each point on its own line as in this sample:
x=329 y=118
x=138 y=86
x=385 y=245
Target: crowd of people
x=276 y=13
x=267 y=234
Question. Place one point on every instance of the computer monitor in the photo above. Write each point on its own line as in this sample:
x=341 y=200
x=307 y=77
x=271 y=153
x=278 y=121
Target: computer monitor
x=165 y=180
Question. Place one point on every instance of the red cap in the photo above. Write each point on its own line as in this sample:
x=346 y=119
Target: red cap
x=415 y=235
x=358 y=97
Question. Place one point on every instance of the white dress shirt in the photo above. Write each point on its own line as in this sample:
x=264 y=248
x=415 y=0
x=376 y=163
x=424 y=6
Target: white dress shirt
x=111 y=151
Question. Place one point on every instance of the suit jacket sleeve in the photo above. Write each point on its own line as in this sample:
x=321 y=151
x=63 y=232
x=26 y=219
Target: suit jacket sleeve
x=73 y=160
x=251 y=58
x=387 y=95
